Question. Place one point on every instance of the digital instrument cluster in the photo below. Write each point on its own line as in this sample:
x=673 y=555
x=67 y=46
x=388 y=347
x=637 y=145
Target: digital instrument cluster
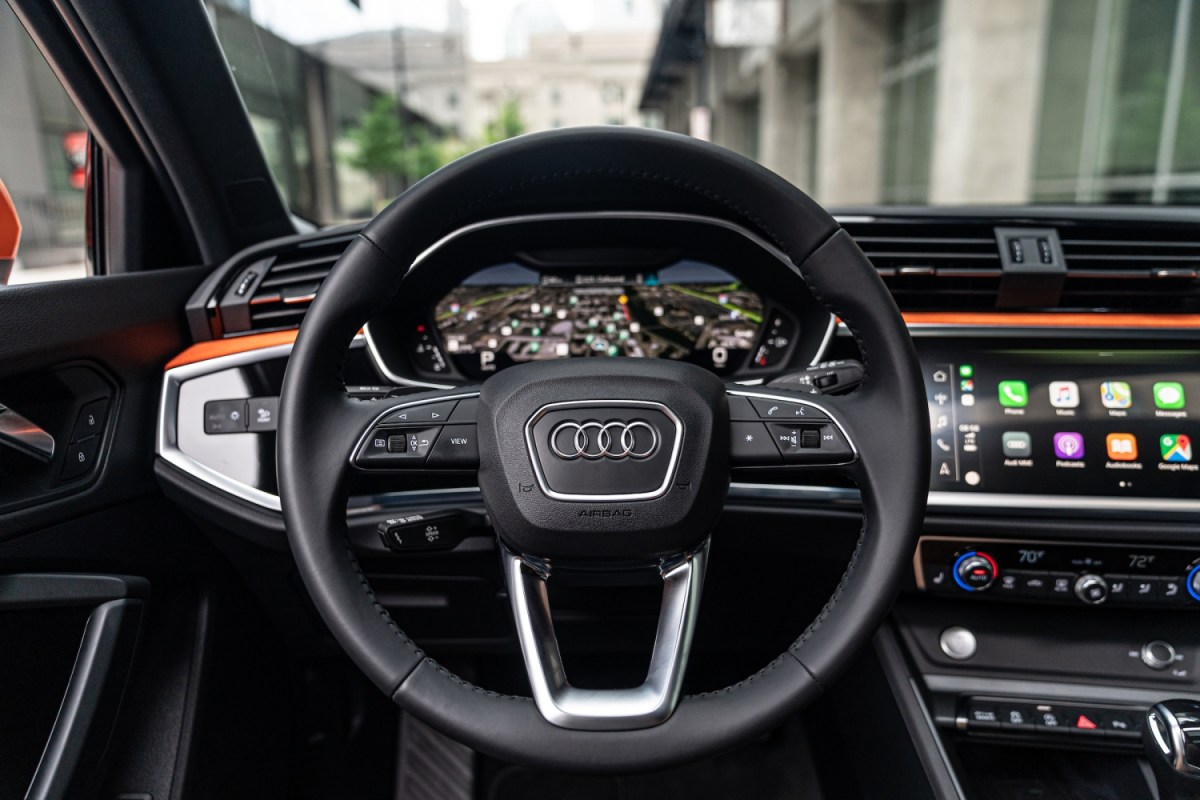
x=688 y=311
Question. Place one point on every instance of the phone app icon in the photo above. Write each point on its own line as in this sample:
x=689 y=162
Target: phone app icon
x=1176 y=448
x=1064 y=394
x=1116 y=394
x=1017 y=444
x=1068 y=445
x=1169 y=395
x=1122 y=446
x=1014 y=394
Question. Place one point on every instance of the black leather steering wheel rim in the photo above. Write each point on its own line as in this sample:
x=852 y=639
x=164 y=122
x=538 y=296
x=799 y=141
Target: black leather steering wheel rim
x=602 y=169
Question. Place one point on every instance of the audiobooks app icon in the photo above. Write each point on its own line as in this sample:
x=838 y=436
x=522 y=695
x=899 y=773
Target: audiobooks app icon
x=1122 y=447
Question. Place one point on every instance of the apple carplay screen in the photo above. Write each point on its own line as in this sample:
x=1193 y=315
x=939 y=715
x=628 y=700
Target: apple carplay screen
x=1105 y=423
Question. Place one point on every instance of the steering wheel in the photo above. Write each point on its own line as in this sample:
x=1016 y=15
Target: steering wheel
x=609 y=465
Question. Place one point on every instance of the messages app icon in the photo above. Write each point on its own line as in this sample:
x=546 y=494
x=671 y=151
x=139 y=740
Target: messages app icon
x=1169 y=394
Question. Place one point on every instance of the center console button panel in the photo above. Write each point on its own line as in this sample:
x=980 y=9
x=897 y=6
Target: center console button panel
x=1060 y=572
x=1046 y=718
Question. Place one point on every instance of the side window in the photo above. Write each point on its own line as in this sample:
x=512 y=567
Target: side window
x=43 y=159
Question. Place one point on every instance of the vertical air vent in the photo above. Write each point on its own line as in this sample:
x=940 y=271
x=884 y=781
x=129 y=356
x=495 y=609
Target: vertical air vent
x=274 y=292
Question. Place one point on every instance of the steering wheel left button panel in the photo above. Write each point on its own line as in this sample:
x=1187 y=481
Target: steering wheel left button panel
x=404 y=438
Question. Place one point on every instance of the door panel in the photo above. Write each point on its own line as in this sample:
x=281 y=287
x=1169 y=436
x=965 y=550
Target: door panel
x=79 y=554
x=122 y=328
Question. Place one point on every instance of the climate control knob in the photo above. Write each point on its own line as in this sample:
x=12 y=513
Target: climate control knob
x=975 y=571
x=1158 y=654
x=1091 y=589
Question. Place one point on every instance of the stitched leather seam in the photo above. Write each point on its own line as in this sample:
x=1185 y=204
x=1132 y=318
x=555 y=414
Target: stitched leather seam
x=476 y=689
x=383 y=612
x=744 y=682
x=837 y=592
x=850 y=325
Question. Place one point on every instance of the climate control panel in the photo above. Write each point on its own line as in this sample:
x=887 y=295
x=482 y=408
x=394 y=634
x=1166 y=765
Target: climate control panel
x=1066 y=572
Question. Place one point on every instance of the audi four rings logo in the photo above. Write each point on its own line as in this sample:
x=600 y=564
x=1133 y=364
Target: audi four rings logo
x=595 y=440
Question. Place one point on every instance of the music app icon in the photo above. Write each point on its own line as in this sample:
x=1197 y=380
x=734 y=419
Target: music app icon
x=1064 y=394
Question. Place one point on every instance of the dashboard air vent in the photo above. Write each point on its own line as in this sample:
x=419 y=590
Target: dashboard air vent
x=955 y=264
x=289 y=285
x=932 y=264
x=274 y=291
x=1132 y=267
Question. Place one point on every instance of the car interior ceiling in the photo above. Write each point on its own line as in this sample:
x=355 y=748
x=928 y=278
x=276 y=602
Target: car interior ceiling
x=807 y=500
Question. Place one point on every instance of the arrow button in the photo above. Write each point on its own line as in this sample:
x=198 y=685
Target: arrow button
x=427 y=412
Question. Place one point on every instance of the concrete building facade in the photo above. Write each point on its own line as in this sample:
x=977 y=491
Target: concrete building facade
x=942 y=101
x=557 y=77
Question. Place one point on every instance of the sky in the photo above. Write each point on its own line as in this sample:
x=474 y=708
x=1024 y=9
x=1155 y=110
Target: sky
x=303 y=21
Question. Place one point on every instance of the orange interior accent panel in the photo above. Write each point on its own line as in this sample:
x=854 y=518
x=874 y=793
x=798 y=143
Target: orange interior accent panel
x=1035 y=320
x=10 y=226
x=203 y=351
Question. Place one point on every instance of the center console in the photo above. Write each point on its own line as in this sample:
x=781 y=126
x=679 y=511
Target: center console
x=1070 y=573
x=1055 y=585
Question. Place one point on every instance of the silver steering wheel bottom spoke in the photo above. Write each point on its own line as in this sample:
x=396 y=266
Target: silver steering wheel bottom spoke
x=643 y=706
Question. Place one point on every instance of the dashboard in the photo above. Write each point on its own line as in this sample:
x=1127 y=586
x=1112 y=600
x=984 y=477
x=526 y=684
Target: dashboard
x=1058 y=554
x=1046 y=418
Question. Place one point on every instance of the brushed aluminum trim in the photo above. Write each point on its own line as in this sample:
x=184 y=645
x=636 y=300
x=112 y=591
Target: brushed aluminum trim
x=643 y=706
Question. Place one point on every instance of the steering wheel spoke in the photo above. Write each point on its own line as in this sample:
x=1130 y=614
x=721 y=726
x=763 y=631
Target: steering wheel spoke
x=435 y=432
x=642 y=706
x=778 y=428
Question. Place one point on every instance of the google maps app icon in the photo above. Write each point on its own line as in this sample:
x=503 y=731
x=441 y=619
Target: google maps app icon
x=1176 y=447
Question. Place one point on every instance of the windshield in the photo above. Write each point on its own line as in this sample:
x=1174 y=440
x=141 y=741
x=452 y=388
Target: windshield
x=917 y=102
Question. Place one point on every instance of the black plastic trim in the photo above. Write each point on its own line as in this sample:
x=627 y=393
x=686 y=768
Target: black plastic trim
x=74 y=752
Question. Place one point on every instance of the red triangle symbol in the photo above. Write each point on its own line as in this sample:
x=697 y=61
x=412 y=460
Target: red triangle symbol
x=1084 y=723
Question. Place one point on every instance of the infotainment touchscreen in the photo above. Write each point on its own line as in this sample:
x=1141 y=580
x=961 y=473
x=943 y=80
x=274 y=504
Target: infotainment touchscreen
x=1112 y=423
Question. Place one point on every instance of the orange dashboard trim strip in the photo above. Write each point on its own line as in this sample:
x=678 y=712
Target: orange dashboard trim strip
x=1069 y=320
x=203 y=351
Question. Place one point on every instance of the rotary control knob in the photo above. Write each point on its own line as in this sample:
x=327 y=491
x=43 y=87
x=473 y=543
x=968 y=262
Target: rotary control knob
x=975 y=571
x=1158 y=654
x=1091 y=589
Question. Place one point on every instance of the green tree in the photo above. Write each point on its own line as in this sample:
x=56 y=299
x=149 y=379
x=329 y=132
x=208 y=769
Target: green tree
x=378 y=142
x=506 y=125
x=384 y=146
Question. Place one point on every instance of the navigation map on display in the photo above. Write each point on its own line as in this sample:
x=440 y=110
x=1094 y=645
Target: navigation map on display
x=510 y=314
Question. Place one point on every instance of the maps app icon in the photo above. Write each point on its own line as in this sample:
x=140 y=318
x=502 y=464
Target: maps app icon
x=1176 y=448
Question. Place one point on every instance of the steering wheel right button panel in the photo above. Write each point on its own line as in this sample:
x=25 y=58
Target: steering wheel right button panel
x=810 y=443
